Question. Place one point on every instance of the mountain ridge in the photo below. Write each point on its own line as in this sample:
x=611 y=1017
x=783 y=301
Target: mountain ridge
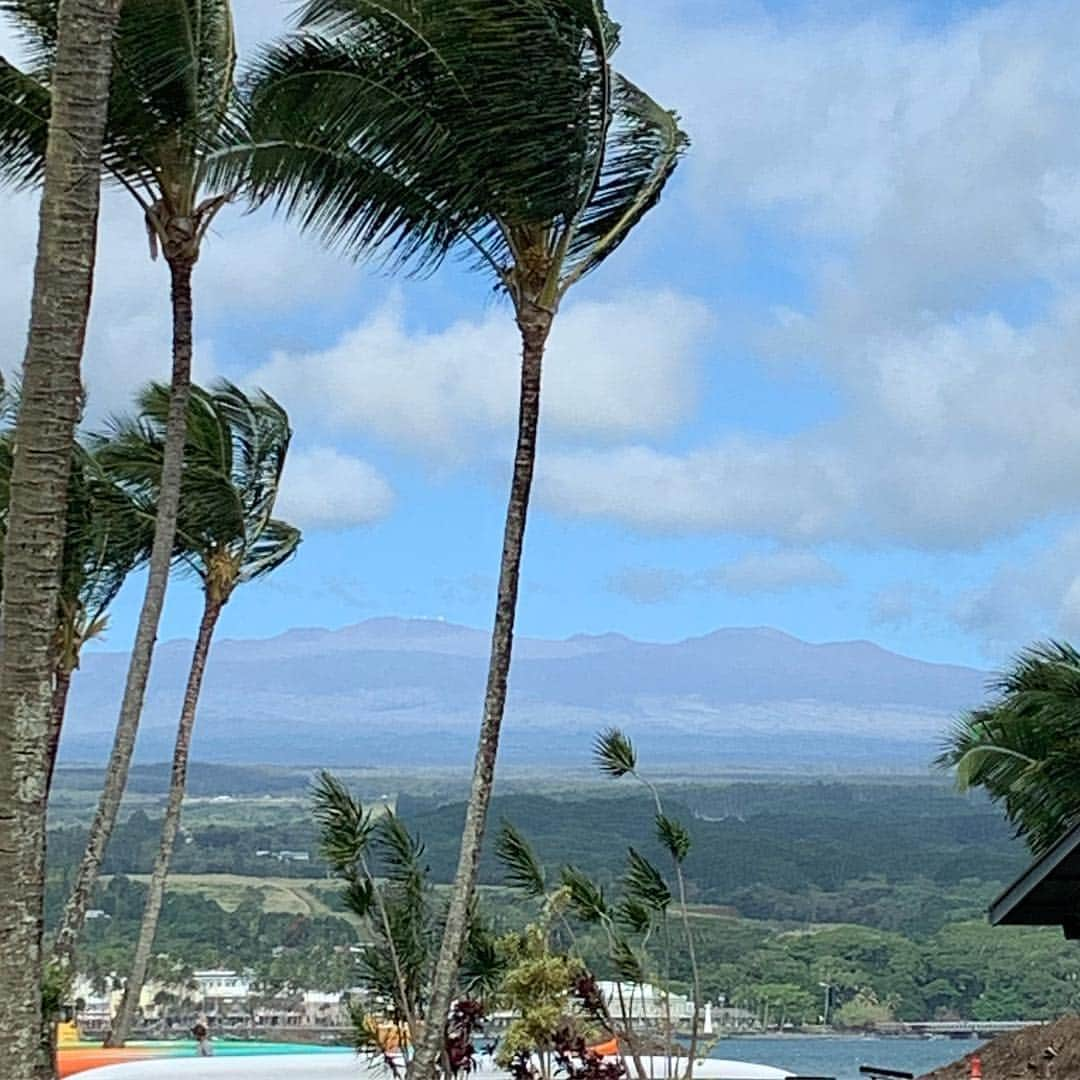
x=386 y=687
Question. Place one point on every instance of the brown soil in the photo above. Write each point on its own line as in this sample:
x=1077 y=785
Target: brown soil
x=1044 y=1052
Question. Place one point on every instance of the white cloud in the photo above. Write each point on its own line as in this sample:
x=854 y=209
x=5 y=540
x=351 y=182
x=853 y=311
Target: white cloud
x=614 y=368
x=753 y=487
x=1034 y=596
x=953 y=434
x=939 y=153
x=752 y=574
x=649 y=584
x=935 y=176
x=775 y=571
x=252 y=268
x=323 y=488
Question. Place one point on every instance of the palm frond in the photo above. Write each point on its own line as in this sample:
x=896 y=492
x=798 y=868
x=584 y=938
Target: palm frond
x=634 y=916
x=584 y=897
x=35 y=23
x=628 y=966
x=644 y=883
x=644 y=145
x=24 y=125
x=360 y=896
x=333 y=136
x=613 y=753
x=674 y=835
x=1023 y=747
x=234 y=457
x=483 y=964
x=402 y=127
x=522 y=868
x=400 y=852
x=345 y=827
x=172 y=96
x=105 y=539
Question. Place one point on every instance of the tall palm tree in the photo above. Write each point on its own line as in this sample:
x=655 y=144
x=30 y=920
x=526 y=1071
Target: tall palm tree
x=105 y=540
x=33 y=548
x=169 y=113
x=226 y=534
x=1023 y=747
x=501 y=132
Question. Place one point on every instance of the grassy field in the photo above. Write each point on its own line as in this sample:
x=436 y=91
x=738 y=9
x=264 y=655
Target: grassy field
x=293 y=896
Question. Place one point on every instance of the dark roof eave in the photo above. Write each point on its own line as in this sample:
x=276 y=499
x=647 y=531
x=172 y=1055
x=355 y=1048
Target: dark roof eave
x=1013 y=897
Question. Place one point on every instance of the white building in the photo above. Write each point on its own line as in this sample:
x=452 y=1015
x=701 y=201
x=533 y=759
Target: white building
x=647 y=1004
x=222 y=990
x=325 y=1010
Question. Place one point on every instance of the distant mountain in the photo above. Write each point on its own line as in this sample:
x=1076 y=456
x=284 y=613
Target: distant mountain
x=397 y=691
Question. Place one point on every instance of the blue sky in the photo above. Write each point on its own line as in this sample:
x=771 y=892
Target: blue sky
x=830 y=385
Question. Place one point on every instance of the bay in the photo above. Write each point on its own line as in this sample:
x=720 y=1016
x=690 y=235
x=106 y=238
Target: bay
x=841 y=1057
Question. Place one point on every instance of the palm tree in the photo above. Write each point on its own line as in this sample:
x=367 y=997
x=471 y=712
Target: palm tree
x=169 y=104
x=425 y=127
x=105 y=540
x=403 y=912
x=1023 y=747
x=226 y=534
x=616 y=756
x=33 y=548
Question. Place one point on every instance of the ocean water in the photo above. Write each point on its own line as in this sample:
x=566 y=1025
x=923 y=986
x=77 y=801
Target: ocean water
x=841 y=1057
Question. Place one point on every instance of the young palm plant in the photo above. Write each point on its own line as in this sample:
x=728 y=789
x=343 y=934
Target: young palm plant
x=423 y=127
x=169 y=105
x=387 y=885
x=523 y=871
x=226 y=534
x=1023 y=748
x=634 y=927
x=616 y=756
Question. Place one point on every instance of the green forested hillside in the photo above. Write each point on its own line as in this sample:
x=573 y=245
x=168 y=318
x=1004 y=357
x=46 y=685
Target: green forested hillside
x=876 y=887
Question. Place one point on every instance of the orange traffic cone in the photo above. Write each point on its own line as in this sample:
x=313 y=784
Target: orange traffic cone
x=976 y=1068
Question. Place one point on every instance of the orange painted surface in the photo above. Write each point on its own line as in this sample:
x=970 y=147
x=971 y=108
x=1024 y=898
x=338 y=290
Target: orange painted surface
x=77 y=1060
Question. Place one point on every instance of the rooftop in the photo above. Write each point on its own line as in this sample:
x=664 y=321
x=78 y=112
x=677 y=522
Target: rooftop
x=1047 y=893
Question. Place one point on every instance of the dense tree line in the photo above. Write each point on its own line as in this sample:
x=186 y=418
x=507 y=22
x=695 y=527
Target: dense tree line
x=963 y=969
x=897 y=928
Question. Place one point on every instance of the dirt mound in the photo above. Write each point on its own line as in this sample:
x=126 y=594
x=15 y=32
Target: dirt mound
x=1044 y=1052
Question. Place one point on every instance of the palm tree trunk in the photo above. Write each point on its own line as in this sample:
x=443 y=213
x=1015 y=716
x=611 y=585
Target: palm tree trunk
x=695 y=974
x=57 y=709
x=121 y=1027
x=535 y=325
x=142 y=653
x=45 y=433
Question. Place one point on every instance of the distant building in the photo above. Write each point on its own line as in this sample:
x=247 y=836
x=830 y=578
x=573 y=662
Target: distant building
x=292 y=856
x=95 y=1009
x=283 y=855
x=647 y=1004
x=325 y=1010
x=223 y=992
